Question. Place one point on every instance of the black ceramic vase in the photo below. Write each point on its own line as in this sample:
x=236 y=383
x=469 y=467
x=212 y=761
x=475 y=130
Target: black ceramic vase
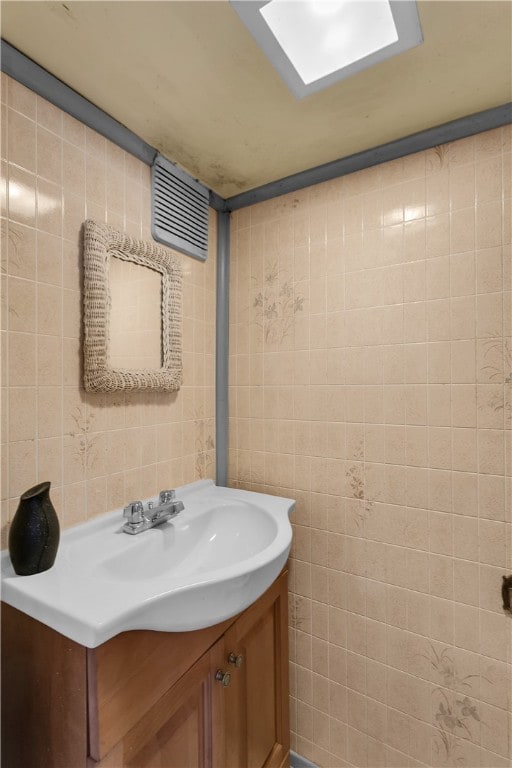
x=34 y=533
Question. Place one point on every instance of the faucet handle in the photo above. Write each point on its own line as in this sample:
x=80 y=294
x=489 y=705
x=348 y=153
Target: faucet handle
x=166 y=496
x=134 y=512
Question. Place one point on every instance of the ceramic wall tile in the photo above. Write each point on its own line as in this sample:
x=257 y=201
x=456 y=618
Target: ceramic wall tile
x=21 y=141
x=96 y=450
x=399 y=425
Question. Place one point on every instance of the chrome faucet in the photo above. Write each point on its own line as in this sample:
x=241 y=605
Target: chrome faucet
x=139 y=519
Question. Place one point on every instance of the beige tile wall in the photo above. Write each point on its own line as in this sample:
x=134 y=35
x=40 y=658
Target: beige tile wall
x=99 y=451
x=371 y=375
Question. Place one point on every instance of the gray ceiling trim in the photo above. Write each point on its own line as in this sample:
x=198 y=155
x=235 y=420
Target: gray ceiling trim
x=416 y=142
x=18 y=66
x=33 y=76
x=217 y=202
x=297 y=761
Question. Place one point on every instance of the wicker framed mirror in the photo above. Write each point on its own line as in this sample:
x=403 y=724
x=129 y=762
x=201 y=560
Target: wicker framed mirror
x=144 y=282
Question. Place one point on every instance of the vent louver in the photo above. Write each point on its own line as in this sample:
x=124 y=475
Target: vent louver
x=179 y=209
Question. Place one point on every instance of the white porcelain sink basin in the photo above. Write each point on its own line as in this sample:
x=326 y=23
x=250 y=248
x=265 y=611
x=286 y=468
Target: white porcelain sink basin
x=209 y=563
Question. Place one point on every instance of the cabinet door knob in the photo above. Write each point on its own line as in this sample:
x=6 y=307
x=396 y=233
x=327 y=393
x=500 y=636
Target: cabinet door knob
x=224 y=678
x=236 y=659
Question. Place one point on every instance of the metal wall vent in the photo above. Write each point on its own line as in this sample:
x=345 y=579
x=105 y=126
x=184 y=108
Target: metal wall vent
x=179 y=209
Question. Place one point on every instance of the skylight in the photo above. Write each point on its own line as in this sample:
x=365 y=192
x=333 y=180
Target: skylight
x=315 y=43
x=321 y=36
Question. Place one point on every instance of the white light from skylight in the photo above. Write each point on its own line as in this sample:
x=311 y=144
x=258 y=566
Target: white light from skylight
x=322 y=36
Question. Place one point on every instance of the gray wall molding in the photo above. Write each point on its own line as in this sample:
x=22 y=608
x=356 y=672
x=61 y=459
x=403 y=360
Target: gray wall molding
x=297 y=761
x=417 y=142
x=222 y=348
x=33 y=76
x=218 y=203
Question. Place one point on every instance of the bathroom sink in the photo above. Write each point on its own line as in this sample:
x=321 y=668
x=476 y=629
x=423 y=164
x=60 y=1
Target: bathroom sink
x=204 y=566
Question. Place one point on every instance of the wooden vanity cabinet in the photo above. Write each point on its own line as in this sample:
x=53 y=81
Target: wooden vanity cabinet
x=150 y=699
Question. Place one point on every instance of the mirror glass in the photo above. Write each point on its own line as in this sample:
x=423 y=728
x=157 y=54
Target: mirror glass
x=135 y=315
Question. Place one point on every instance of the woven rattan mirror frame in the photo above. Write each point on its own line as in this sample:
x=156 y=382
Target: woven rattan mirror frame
x=101 y=242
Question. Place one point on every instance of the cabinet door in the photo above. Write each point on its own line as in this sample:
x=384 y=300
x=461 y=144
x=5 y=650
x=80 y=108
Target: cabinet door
x=183 y=729
x=256 y=717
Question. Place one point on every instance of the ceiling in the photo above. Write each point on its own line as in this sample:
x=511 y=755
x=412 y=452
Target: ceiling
x=188 y=78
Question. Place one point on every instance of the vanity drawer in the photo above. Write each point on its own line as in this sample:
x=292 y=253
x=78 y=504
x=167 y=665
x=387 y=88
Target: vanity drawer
x=128 y=674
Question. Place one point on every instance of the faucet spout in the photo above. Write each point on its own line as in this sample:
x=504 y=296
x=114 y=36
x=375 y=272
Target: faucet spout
x=164 y=511
x=139 y=519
